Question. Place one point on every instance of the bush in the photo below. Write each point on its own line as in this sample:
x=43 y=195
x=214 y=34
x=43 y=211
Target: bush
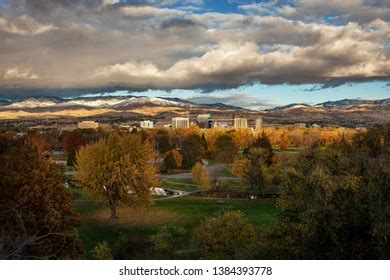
x=102 y=252
x=227 y=236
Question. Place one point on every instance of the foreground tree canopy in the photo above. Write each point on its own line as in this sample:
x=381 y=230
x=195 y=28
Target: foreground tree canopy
x=36 y=218
x=336 y=202
x=117 y=169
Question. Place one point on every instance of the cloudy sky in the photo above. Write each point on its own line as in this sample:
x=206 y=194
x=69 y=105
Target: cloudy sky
x=244 y=52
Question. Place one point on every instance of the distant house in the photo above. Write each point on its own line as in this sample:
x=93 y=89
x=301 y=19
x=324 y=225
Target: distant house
x=88 y=125
x=146 y=124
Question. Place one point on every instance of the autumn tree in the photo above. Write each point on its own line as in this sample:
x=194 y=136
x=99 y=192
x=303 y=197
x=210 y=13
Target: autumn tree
x=38 y=141
x=284 y=141
x=227 y=236
x=117 y=169
x=201 y=176
x=72 y=142
x=36 y=218
x=178 y=157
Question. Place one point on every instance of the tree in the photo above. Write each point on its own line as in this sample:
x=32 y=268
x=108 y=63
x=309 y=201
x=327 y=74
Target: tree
x=204 y=142
x=227 y=236
x=335 y=202
x=264 y=143
x=117 y=169
x=38 y=141
x=191 y=150
x=240 y=167
x=201 y=176
x=225 y=149
x=102 y=252
x=72 y=142
x=283 y=141
x=169 y=162
x=177 y=156
x=163 y=142
x=36 y=218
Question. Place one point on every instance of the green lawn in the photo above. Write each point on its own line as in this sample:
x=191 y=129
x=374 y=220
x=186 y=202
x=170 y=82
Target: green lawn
x=225 y=172
x=186 y=212
x=179 y=184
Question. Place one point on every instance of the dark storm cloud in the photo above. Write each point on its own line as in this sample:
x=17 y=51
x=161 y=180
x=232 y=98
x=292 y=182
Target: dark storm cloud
x=178 y=23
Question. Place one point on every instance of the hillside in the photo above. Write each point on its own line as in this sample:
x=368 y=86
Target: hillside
x=348 y=112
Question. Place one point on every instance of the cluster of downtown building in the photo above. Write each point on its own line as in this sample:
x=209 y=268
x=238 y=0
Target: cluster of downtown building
x=205 y=121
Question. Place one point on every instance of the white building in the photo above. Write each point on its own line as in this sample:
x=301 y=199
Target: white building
x=88 y=125
x=259 y=123
x=240 y=123
x=146 y=124
x=180 y=122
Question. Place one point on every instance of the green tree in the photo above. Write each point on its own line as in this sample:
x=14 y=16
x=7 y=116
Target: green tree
x=264 y=143
x=225 y=149
x=191 y=150
x=36 y=218
x=117 y=169
x=163 y=142
x=169 y=162
x=227 y=236
x=102 y=252
x=335 y=202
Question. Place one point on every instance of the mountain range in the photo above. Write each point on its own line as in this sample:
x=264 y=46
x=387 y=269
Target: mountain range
x=352 y=112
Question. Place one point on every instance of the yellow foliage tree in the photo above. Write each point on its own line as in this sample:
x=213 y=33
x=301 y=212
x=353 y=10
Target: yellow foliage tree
x=117 y=169
x=178 y=157
x=239 y=167
x=201 y=176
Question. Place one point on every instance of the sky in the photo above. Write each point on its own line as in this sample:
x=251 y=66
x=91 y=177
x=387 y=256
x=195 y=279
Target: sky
x=248 y=53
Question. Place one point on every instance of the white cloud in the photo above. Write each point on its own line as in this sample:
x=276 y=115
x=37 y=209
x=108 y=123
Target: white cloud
x=17 y=74
x=25 y=25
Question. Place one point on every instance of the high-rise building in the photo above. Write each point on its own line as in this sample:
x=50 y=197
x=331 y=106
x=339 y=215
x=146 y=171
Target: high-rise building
x=146 y=124
x=240 y=123
x=180 y=122
x=259 y=123
x=204 y=120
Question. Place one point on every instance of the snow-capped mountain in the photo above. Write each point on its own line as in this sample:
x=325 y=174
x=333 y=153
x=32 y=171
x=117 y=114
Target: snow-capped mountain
x=97 y=102
x=344 y=112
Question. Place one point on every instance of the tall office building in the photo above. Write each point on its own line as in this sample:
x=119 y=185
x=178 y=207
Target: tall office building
x=240 y=123
x=259 y=123
x=204 y=120
x=180 y=122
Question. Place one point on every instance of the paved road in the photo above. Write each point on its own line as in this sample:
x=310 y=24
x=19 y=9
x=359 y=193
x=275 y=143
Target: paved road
x=180 y=193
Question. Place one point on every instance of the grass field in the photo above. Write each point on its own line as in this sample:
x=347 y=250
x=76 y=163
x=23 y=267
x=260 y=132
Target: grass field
x=179 y=184
x=186 y=212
